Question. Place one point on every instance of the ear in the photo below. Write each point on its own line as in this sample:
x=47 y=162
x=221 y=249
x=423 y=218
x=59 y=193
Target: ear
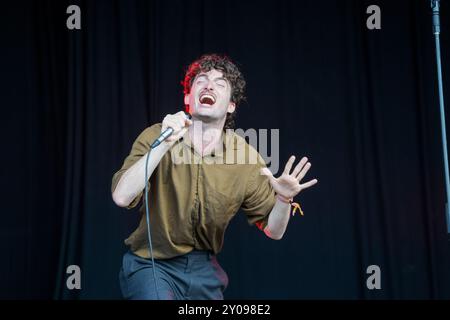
x=187 y=107
x=231 y=107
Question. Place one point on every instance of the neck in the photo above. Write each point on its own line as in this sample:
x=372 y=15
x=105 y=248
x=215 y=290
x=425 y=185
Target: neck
x=206 y=136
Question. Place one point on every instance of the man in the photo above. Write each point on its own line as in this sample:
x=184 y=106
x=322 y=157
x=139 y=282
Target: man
x=199 y=178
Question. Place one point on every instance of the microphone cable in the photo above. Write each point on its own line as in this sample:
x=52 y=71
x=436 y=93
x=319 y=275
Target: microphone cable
x=155 y=143
x=147 y=215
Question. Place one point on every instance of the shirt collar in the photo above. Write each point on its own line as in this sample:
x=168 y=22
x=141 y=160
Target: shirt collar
x=229 y=142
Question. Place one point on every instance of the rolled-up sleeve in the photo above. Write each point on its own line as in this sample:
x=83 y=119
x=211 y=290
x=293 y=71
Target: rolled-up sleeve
x=140 y=147
x=259 y=198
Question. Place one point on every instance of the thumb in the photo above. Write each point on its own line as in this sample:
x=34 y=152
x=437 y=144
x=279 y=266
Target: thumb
x=266 y=172
x=188 y=122
x=178 y=135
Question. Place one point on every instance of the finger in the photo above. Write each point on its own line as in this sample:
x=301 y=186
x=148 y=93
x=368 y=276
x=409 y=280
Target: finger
x=181 y=115
x=299 y=166
x=309 y=184
x=180 y=121
x=288 y=166
x=173 y=121
x=266 y=172
x=174 y=118
x=164 y=123
x=177 y=136
x=168 y=119
x=183 y=120
x=304 y=171
x=174 y=125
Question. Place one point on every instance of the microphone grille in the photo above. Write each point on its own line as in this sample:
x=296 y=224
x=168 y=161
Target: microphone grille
x=188 y=115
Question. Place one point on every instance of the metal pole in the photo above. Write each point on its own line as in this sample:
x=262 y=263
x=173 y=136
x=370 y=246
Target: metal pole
x=437 y=31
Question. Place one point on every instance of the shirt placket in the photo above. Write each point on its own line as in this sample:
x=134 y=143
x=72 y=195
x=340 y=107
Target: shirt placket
x=196 y=212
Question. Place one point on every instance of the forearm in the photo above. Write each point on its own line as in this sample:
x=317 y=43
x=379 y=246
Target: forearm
x=278 y=220
x=132 y=181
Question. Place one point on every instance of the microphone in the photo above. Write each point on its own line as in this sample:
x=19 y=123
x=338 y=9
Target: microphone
x=166 y=133
x=435 y=12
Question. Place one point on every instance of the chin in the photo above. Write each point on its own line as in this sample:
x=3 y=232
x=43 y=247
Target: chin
x=205 y=116
x=204 y=111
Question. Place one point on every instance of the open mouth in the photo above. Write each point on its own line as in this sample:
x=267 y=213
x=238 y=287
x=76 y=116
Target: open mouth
x=207 y=98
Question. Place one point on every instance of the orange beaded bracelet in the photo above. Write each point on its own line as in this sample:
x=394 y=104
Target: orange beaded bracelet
x=293 y=204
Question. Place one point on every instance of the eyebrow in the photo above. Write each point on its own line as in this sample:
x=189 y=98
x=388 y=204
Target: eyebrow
x=221 y=78
x=206 y=76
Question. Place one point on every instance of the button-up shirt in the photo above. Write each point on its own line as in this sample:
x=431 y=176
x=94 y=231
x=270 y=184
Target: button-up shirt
x=192 y=198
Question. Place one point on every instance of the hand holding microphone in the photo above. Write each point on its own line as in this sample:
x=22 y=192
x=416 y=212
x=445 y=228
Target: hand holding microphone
x=174 y=126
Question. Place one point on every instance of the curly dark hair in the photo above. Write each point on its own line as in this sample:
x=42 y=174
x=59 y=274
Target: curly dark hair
x=230 y=72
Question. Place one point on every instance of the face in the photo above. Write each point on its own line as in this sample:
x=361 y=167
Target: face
x=209 y=99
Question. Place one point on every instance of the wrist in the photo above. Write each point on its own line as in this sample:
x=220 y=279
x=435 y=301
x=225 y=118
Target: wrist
x=167 y=145
x=284 y=199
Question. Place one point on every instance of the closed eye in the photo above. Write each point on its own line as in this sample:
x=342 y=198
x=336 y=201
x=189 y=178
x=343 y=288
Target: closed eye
x=201 y=79
x=221 y=83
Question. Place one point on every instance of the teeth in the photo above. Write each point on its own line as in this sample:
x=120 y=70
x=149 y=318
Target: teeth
x=207 y=98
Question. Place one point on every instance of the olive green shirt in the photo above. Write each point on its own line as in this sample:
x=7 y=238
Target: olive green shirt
x=193 y=198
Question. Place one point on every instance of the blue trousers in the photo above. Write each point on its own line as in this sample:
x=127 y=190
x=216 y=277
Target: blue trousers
x=193 y=276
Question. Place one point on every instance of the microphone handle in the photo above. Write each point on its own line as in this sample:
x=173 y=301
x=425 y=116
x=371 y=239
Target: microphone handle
x=166 y=133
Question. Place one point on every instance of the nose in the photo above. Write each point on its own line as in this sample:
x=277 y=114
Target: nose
x=210 y=85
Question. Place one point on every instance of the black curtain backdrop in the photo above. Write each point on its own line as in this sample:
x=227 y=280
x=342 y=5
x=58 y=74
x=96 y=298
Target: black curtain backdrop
x=361 y=104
